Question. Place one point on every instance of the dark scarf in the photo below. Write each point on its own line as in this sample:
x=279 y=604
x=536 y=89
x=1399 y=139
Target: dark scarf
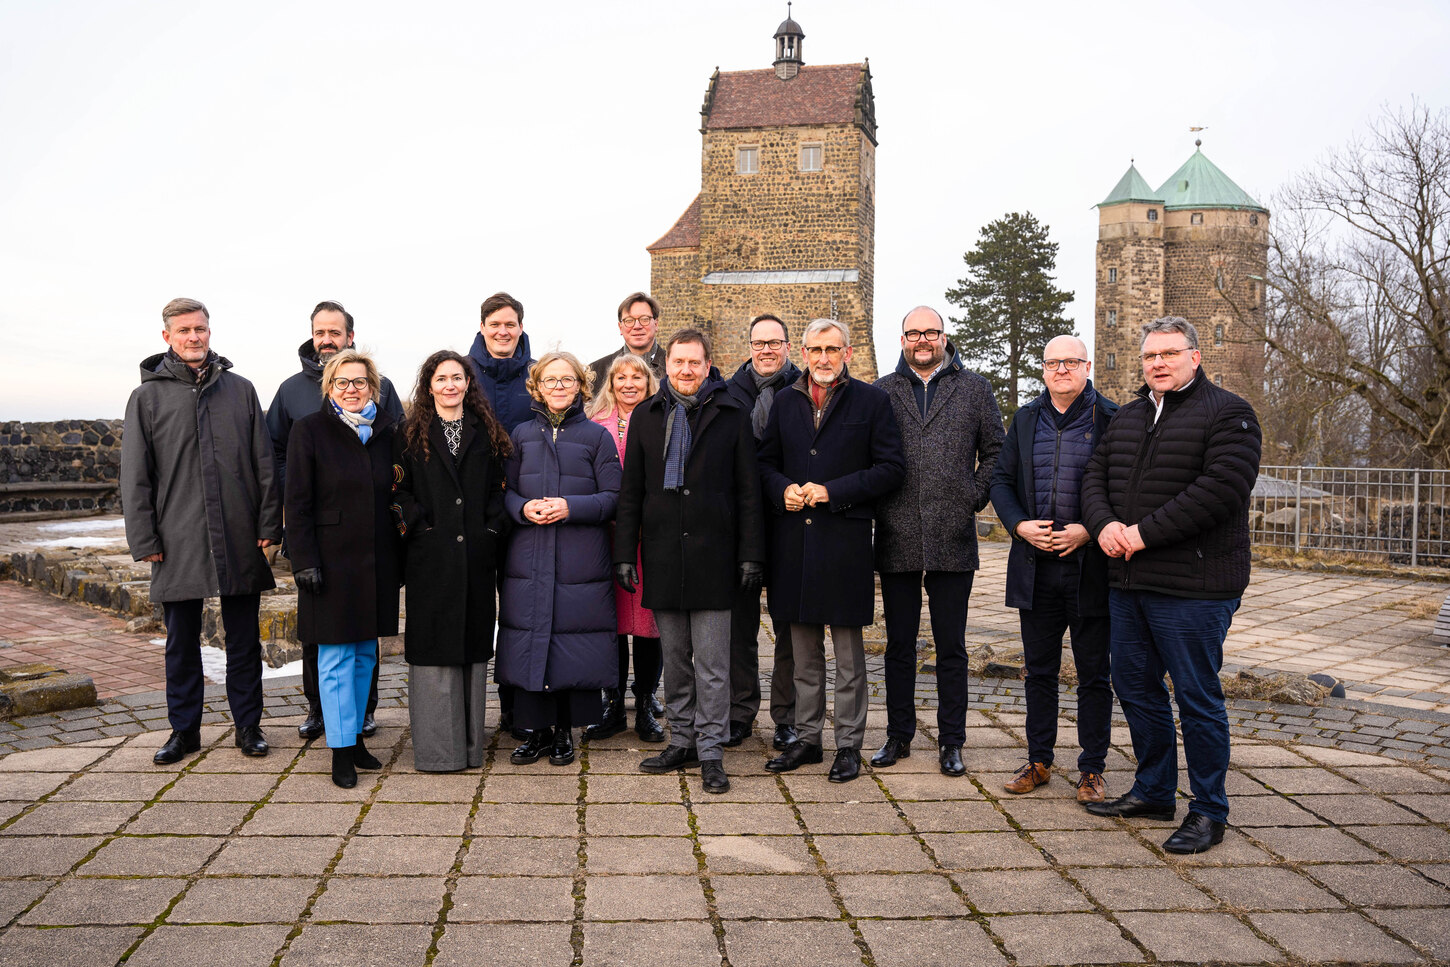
x=200 y=374
x=766 y=387
x=677 y=434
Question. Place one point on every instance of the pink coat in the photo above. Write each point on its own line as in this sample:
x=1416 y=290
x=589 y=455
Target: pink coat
x=634 y=618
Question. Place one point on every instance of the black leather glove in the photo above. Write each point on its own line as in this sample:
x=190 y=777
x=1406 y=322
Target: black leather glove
x=626 y=576
x=309 y=579
x=752 y=576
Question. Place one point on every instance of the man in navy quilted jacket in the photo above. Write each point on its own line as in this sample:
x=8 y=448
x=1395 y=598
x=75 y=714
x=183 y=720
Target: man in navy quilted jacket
x=1166 y=494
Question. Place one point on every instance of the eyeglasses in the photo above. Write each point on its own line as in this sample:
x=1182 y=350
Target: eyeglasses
x=1167 y=355
x=1052 y=365
x=560 y=382
x=771 y=344
x=342 y=383
x=816 y=352
x=635 y=322
x=914 y=335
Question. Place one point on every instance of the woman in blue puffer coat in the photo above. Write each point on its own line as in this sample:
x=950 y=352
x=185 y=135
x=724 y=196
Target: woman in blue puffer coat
x=556 y=644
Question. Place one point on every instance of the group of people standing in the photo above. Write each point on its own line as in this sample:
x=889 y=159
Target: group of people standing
x=638 y=506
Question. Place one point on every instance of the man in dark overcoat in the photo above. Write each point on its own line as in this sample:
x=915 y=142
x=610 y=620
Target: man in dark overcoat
x=201 y=503
x=690 y=504
x=1056 y=575
x=639 y=324
x=926 y=532
x=831 y=451
x=1166 y=494
x=300 y=395
x=754 y=386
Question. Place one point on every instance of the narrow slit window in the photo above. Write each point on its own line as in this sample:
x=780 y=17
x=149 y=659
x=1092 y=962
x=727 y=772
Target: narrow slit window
x=1112 y=275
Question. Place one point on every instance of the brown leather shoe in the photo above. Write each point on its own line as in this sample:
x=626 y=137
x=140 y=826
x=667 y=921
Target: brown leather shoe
x=1028 y=778
x=1091 y=787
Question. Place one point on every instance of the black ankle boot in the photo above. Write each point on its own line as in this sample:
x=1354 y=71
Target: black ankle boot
x=538 y=744
x=343 y=773
x=362 y=758
x=614 y=717
x=563 y=751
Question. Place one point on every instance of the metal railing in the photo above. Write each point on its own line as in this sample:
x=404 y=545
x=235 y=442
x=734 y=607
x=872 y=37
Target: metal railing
x=1383 y=514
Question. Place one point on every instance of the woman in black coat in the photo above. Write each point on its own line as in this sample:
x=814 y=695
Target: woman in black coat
x=344 y=547
x=448 y=500
x=556 y=640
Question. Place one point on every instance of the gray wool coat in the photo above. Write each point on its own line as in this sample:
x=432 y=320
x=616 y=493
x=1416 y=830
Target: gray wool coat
x=196 y=481
x=930 y=523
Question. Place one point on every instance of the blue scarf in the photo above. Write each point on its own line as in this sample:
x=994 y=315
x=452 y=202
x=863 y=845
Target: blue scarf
x=677 y=436
x=361 y=422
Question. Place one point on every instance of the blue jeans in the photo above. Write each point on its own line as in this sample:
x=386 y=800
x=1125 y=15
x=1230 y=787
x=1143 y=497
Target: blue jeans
x=1155 y=633
x=344 y=679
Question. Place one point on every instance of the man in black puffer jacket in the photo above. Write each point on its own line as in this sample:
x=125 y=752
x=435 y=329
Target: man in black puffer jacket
x=1167 y=494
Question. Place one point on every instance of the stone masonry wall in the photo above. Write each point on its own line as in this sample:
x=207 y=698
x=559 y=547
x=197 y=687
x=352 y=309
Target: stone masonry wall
x=1132 y=245
x=66 y=453
x=733 y=306
x=674 y=280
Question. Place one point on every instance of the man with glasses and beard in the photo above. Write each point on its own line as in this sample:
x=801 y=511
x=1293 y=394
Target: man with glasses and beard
x=926 y=532
x=831 y=451
x=755 y=385
x=639 y=323
x=299 y=395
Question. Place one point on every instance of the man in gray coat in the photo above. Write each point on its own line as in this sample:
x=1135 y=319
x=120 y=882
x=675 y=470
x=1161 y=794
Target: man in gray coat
x=951 y=430
x=201 y=504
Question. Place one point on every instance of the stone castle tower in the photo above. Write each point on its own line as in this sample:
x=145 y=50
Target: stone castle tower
x=785 y=221
x=1197 y=248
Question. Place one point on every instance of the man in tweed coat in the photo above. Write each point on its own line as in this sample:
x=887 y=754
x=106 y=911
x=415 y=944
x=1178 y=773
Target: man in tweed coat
x=926 y=532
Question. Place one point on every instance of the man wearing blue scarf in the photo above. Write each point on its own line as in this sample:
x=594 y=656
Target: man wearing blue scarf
x=690 y=504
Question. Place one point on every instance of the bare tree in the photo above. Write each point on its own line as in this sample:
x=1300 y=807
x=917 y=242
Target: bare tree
x=1358 y=304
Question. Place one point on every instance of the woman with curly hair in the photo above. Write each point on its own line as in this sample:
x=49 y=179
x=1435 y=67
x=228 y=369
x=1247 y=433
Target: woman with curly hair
x=448 y=501
x=556 y=645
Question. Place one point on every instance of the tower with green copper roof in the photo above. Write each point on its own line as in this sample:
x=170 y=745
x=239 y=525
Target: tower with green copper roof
x=1196 y=247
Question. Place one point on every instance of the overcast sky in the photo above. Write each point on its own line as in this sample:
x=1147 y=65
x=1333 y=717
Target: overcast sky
x=408 y=160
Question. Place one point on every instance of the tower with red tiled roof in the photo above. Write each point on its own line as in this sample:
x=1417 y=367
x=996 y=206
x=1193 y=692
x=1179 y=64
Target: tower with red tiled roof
x=786 y=216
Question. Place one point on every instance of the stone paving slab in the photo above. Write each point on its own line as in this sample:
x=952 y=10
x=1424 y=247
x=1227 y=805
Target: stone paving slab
x=105 y=858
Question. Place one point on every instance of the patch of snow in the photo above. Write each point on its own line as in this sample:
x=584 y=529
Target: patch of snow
x=103 y=540
x=117 y=524
x=214 y=665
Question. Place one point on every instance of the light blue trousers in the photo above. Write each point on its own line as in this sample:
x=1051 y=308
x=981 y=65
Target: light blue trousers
x=344 y=678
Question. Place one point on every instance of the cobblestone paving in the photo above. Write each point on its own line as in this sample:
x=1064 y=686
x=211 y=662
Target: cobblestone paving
x=1335 y=855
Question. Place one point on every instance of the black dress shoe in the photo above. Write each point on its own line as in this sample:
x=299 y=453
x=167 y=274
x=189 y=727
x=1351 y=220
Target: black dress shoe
x=656 y=707
x=178 y=747
x=563 y=752
x=538 y=744
x=312 y=727
x=506 y=724
x=1197 y=834
x=712 y=776
x=784 y=736
x=343 y=772
x=362 y=758
x=1129 y=806
x=951 y=761
x=847 y=765
x=797 y=754
x=739 y=732
x=251 y=742
x=369 y=726
x=891 y=750
x=673 y=759
x=646 y=727
x=614 y=721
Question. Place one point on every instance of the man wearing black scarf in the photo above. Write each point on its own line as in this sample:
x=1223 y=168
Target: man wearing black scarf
x=690 y=502
x=754 y=386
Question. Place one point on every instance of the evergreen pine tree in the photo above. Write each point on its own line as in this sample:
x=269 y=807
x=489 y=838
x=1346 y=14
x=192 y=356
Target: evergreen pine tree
x=1012 y=307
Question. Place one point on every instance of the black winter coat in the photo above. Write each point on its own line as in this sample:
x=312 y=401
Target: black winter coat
x=452 y=520
x=339 y=519
x=1185 y=483
x=1014 y=500
x=556 y=628
x=299 y=396
x=821 y=562
x=196 y=481
x=930 y=523
x=695 y=538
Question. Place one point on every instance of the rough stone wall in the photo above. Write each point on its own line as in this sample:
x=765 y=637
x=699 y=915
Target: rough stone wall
x=733 y=307
x=674 y=280
x=64 y=452
x=1206 y=268
x=1132 y=245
